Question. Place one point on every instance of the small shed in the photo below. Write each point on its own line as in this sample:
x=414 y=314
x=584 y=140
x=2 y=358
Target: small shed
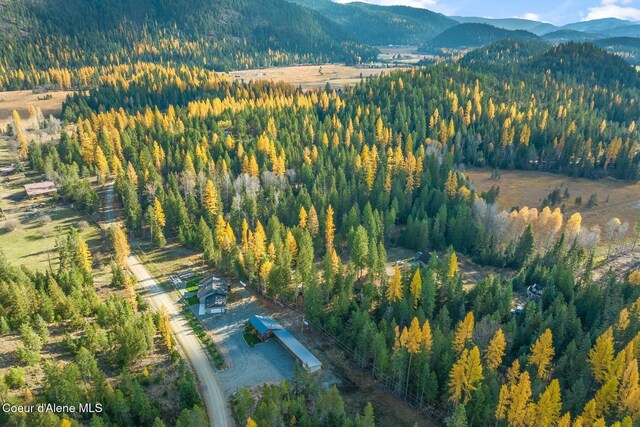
x=7 y=170
x=212 y=294
x=424 y=257
x=264 y=326
x=38 y=189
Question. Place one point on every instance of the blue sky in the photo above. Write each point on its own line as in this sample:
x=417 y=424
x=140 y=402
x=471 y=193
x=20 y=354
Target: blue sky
x=554 y=11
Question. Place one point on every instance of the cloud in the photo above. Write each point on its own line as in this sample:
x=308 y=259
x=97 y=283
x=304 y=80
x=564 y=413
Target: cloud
x=531 y=16
x=613 y=9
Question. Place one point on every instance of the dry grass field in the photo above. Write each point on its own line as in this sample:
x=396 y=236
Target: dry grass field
x=529 y=188
x=311 y=76
x=22 y=99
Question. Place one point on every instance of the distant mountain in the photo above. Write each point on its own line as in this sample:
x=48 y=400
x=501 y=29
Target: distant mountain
x=627 y=48
x=467 y=36
x=598 y=25
x=565 y=36
x=512 y=24
x=382 y=25
x=625 y=31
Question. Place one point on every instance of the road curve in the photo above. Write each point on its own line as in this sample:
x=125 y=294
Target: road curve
x=212 y=395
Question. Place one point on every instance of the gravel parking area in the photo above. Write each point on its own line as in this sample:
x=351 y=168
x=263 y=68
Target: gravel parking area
x=266 y=362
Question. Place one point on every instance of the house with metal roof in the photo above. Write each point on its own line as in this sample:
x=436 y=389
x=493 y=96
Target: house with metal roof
x=40 y=189
x=266 y=327
x=212 y=294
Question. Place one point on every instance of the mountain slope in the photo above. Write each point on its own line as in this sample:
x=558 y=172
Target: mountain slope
x=565 y=36
x=382 y=25
x=465 y=36
x=214 y=33
x=511 y=24
x=597 y=25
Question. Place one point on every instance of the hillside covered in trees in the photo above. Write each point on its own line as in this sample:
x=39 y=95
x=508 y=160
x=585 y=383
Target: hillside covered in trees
x=275 y=185
x=75 y=43
x=382 y=25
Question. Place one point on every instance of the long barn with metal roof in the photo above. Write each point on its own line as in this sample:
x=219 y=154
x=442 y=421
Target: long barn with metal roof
x=265 y=327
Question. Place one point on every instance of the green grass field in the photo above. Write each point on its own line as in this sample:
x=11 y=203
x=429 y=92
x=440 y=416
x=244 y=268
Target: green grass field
x=192 y=285
x=33 y=241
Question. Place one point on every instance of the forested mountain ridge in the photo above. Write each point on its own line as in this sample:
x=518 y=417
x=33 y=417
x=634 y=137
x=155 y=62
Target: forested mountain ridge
x=473 y=35
x=45 y=42
x=382 y=25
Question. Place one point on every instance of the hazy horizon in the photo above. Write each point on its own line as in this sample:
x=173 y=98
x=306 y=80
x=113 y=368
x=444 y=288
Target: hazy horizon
x=554 y=12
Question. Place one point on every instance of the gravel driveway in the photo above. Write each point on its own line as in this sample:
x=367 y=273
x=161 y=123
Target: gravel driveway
x=266 y=362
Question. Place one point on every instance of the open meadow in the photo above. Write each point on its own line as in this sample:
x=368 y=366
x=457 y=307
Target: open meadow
x=21 y=100
x=615 y=198
x=312 y=76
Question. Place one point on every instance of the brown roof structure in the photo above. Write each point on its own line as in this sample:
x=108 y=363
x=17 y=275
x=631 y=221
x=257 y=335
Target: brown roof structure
x=40 y=188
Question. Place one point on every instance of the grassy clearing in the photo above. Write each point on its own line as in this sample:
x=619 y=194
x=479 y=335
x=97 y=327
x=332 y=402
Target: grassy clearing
x=249 y=337
x=311 y=76
x=33 y=241
x=529 y=188
x=192 y=285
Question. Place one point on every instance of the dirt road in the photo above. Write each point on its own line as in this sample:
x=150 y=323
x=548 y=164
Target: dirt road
x=214 y=399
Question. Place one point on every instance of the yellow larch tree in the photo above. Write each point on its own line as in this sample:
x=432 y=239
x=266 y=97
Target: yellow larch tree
x=312 y=221
x=514 y=400
x=394 y=289
x=121 y=247
x=542 y=352
x=629 y=400
x=158 y=213
x=451 y=186
x=572 y=227
x=102 y=164
x=84 y=255
x=302 y=216
x=495 y=350
x=607 y=397
x=416 y=288
x=165 y=328
x=464 y=332
x=291 y=243
x=549 y=405
x=211 y=199
x=329 y=230
x=601 y=356
x=132 y=175
x=465 y=376
x=453 y=265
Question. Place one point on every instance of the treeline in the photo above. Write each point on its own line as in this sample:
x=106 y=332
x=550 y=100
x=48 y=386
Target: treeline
x=94 y=340
x=299 y=402
x=75 y=47
x=267 y=180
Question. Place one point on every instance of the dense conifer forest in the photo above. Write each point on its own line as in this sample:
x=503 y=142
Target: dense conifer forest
x=300 y=194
